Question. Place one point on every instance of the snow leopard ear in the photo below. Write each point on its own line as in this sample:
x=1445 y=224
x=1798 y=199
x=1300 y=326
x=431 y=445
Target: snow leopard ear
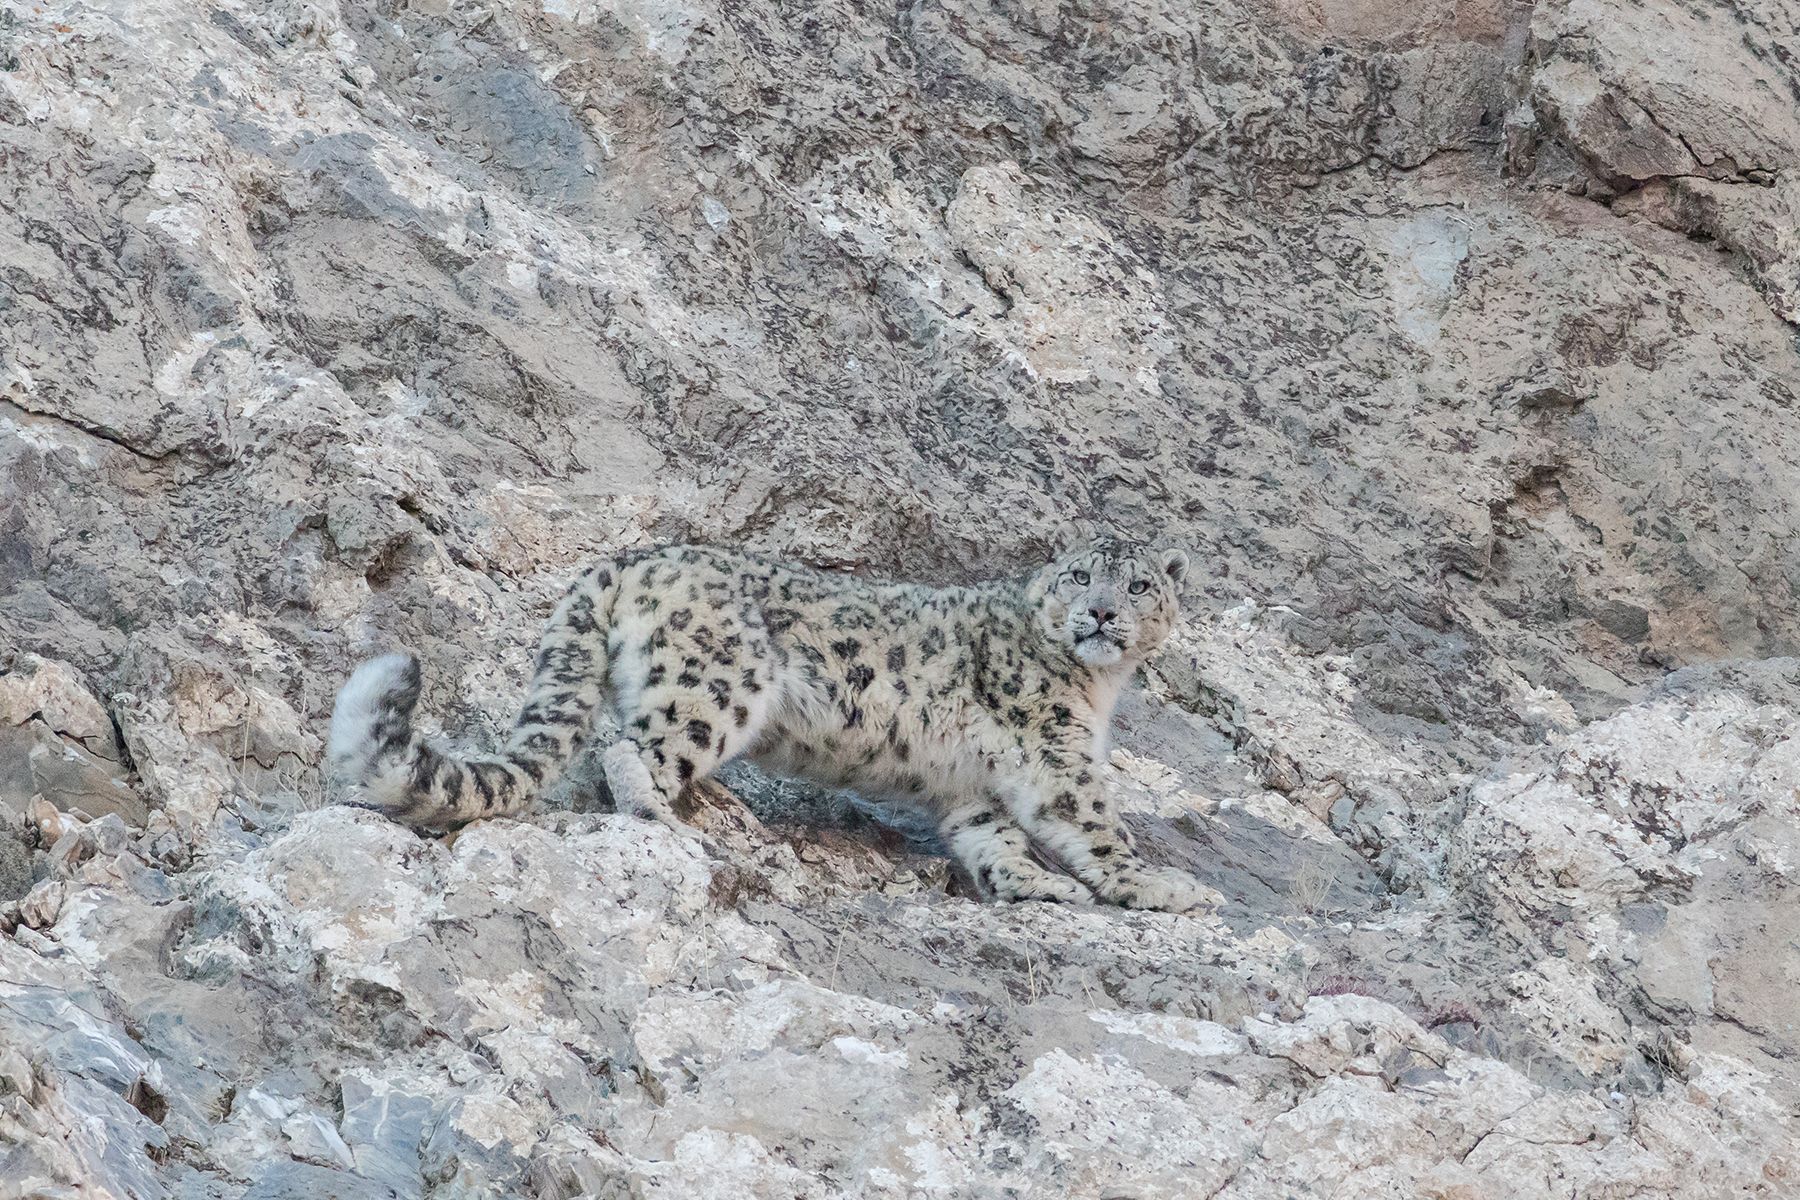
x=1174 y=564
x=1069 y=536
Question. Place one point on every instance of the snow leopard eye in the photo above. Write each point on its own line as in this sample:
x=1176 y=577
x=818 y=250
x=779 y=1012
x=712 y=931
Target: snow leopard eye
x=1081 y=577
x=1140 y=586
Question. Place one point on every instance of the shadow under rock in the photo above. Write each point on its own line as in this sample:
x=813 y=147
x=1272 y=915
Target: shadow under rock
x=1269 y=869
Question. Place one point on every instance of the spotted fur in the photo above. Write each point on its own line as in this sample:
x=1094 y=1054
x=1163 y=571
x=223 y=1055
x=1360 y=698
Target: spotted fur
x=987 y=705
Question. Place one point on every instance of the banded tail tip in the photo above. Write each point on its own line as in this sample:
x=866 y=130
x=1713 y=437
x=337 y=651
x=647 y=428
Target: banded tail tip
x=372 y=718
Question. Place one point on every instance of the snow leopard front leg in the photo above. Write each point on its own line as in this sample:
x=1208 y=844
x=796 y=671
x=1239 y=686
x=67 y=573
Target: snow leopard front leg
x=1067 y=808
x=985 y=839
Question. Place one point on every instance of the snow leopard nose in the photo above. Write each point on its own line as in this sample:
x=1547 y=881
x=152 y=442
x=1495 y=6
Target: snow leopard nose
x=1101 y=616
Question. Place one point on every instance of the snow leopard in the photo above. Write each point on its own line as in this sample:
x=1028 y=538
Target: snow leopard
x=988 y=707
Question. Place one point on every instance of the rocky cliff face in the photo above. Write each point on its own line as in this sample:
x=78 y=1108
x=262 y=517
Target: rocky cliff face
x=1456 y=341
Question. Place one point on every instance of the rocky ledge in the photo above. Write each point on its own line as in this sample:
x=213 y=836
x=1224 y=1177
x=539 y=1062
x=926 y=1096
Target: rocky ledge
x=1456 y=342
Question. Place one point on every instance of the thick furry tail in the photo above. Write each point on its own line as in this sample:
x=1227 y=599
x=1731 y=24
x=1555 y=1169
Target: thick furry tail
x=374 y=753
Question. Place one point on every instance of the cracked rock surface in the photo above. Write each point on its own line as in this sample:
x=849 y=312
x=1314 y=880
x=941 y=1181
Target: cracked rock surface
x=1456 y=342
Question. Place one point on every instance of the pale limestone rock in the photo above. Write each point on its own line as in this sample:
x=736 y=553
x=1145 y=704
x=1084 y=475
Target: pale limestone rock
x=330 y=327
